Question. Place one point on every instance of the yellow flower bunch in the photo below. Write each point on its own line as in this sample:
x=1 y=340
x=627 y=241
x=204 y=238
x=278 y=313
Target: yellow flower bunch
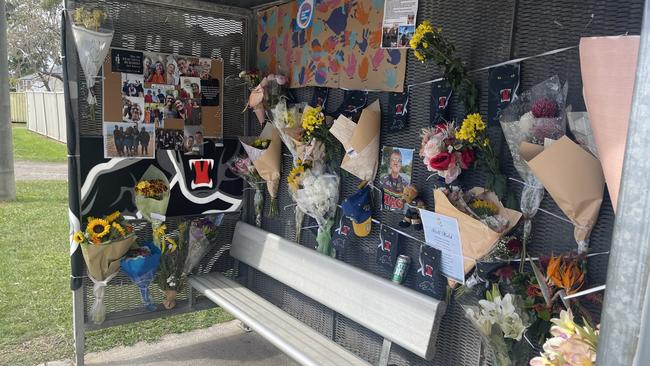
x=312 y=119
x=472 y=130
x=484 y=207
x=261 y=143
x=295 y=177
x=170 y=246
x=119 y=228
x=113 y=217
x=423 y=29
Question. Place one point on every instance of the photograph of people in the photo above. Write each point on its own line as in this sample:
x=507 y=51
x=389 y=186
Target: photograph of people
x=132 y=85
x=190 y=88
x=127 y=140
x=193 y=144
x=169 y=139
x=132 y=109
x=204 y=68
x=395 y=174
x=194 y=111
x=146 y=67
x=185 y=66
x=158 y=75
x=171 y=73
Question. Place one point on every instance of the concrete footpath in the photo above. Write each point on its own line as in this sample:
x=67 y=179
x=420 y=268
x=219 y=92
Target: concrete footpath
x=223 y=344
x=31 y=170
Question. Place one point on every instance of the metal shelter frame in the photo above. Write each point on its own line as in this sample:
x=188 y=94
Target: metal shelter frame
x=514 y=28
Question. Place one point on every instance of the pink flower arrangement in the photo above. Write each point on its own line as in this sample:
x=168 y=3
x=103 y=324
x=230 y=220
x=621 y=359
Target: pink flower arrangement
x=443 y=154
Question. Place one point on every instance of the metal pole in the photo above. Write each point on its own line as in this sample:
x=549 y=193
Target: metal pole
x=7 y=179
x=629 y=262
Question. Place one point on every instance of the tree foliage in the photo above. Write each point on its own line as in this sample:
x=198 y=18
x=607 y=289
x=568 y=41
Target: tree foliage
x=34 y=38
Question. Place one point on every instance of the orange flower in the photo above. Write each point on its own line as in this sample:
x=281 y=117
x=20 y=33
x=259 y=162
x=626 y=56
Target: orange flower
x=96 y=240
x=565 y=274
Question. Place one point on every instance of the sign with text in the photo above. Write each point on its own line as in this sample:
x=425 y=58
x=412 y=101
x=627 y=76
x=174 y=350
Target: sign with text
x=442 y=233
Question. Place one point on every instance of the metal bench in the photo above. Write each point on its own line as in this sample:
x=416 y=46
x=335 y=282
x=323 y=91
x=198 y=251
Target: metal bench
x=397 y=313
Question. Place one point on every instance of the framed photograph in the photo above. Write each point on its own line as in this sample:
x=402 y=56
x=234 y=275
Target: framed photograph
x=128 y=140
x=395 y=173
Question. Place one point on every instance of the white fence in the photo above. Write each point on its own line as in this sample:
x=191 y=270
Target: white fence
x=46 y=114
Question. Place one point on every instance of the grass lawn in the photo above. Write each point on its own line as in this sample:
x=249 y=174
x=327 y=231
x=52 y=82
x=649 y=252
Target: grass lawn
x=35 y=301
x=31 y=146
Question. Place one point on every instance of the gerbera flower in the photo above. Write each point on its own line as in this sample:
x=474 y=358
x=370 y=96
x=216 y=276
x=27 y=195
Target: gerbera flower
x=98 y=228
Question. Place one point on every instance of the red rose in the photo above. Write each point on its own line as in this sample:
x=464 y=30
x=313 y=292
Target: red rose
x=467 y=157
x=514 y=245
x=441 y=161
x=505 y=272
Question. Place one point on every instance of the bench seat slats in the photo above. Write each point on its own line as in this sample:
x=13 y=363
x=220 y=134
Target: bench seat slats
x=293 y=337
x=395 y=312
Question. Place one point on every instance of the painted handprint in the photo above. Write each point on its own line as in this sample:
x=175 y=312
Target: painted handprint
x=377 y=58
x=363 y=45
x=351 y=67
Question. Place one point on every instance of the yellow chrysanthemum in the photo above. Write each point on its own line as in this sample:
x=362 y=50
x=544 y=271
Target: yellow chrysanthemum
x=78 y=237
x=470 y=129
x=112 y=217
x=142 y=185
x=484 y=206
x=312 y=119
x=98 y=228
x=119 y=228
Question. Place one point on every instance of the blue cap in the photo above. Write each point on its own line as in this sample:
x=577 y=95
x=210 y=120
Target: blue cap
x=357 y=207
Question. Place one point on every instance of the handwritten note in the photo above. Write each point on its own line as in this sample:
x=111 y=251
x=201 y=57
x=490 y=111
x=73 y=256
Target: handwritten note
x=441 y=232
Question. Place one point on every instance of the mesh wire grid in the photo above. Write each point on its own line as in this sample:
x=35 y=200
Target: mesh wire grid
x=481 y=31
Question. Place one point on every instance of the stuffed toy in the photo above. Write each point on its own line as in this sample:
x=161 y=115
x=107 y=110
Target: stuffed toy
x=412 y=204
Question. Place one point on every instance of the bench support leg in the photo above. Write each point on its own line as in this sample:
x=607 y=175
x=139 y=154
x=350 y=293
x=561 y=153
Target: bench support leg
x=245 y=327
x=385 y=352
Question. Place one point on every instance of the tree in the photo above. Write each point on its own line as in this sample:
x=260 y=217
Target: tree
x=34 y=39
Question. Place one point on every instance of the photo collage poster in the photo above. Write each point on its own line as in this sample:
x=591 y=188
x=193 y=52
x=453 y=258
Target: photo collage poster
x=160 y=101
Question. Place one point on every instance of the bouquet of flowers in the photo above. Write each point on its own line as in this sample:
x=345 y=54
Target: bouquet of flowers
x=266 y=95
x=501 y=321
x=103 y=242
x=473 y=134
x=172 y=248
x=243 y=167
x=140 y=264
x=265 y=152
x=202 y=235
x=482 y=219
x=535 y=116
x=93 y=32
x=152 y=193
x=251 y=77
x=316 y=193
x=571 y=344
x=443 y=154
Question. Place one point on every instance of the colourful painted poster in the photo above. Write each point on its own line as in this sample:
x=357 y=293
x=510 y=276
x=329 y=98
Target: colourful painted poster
x=342 y=47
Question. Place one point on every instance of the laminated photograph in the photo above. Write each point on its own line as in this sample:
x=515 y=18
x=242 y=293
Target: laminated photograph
x=394 y=175
x=132 y=109
x=128 y=140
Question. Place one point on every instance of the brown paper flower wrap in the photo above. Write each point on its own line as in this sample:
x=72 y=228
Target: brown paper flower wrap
x=608 y=66
x=574 y=178
x=477 y=239
x=361 y=142
x=103 y=263
x=267 y=162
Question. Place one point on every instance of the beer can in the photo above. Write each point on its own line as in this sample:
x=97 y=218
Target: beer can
x=401 y=266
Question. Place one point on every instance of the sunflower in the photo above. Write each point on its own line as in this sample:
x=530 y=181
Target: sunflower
x=78 y=237
x=98 y=228
x=112 y=217
x=119 y=228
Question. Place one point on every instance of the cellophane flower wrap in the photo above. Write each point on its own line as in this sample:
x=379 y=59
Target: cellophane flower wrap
x=104 y=241
x=316 y=194
x=443 y=154
x=242 y=166
x=93 y=32
x=202 y=237
x=152 y=193
x=265 y=152
x=140 y=265
x=266 y=95
x=571 y=344
x=173 y=247
x=501 y=320
x=537 y=114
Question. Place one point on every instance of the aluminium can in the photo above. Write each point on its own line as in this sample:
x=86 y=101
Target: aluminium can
x=401 y=266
